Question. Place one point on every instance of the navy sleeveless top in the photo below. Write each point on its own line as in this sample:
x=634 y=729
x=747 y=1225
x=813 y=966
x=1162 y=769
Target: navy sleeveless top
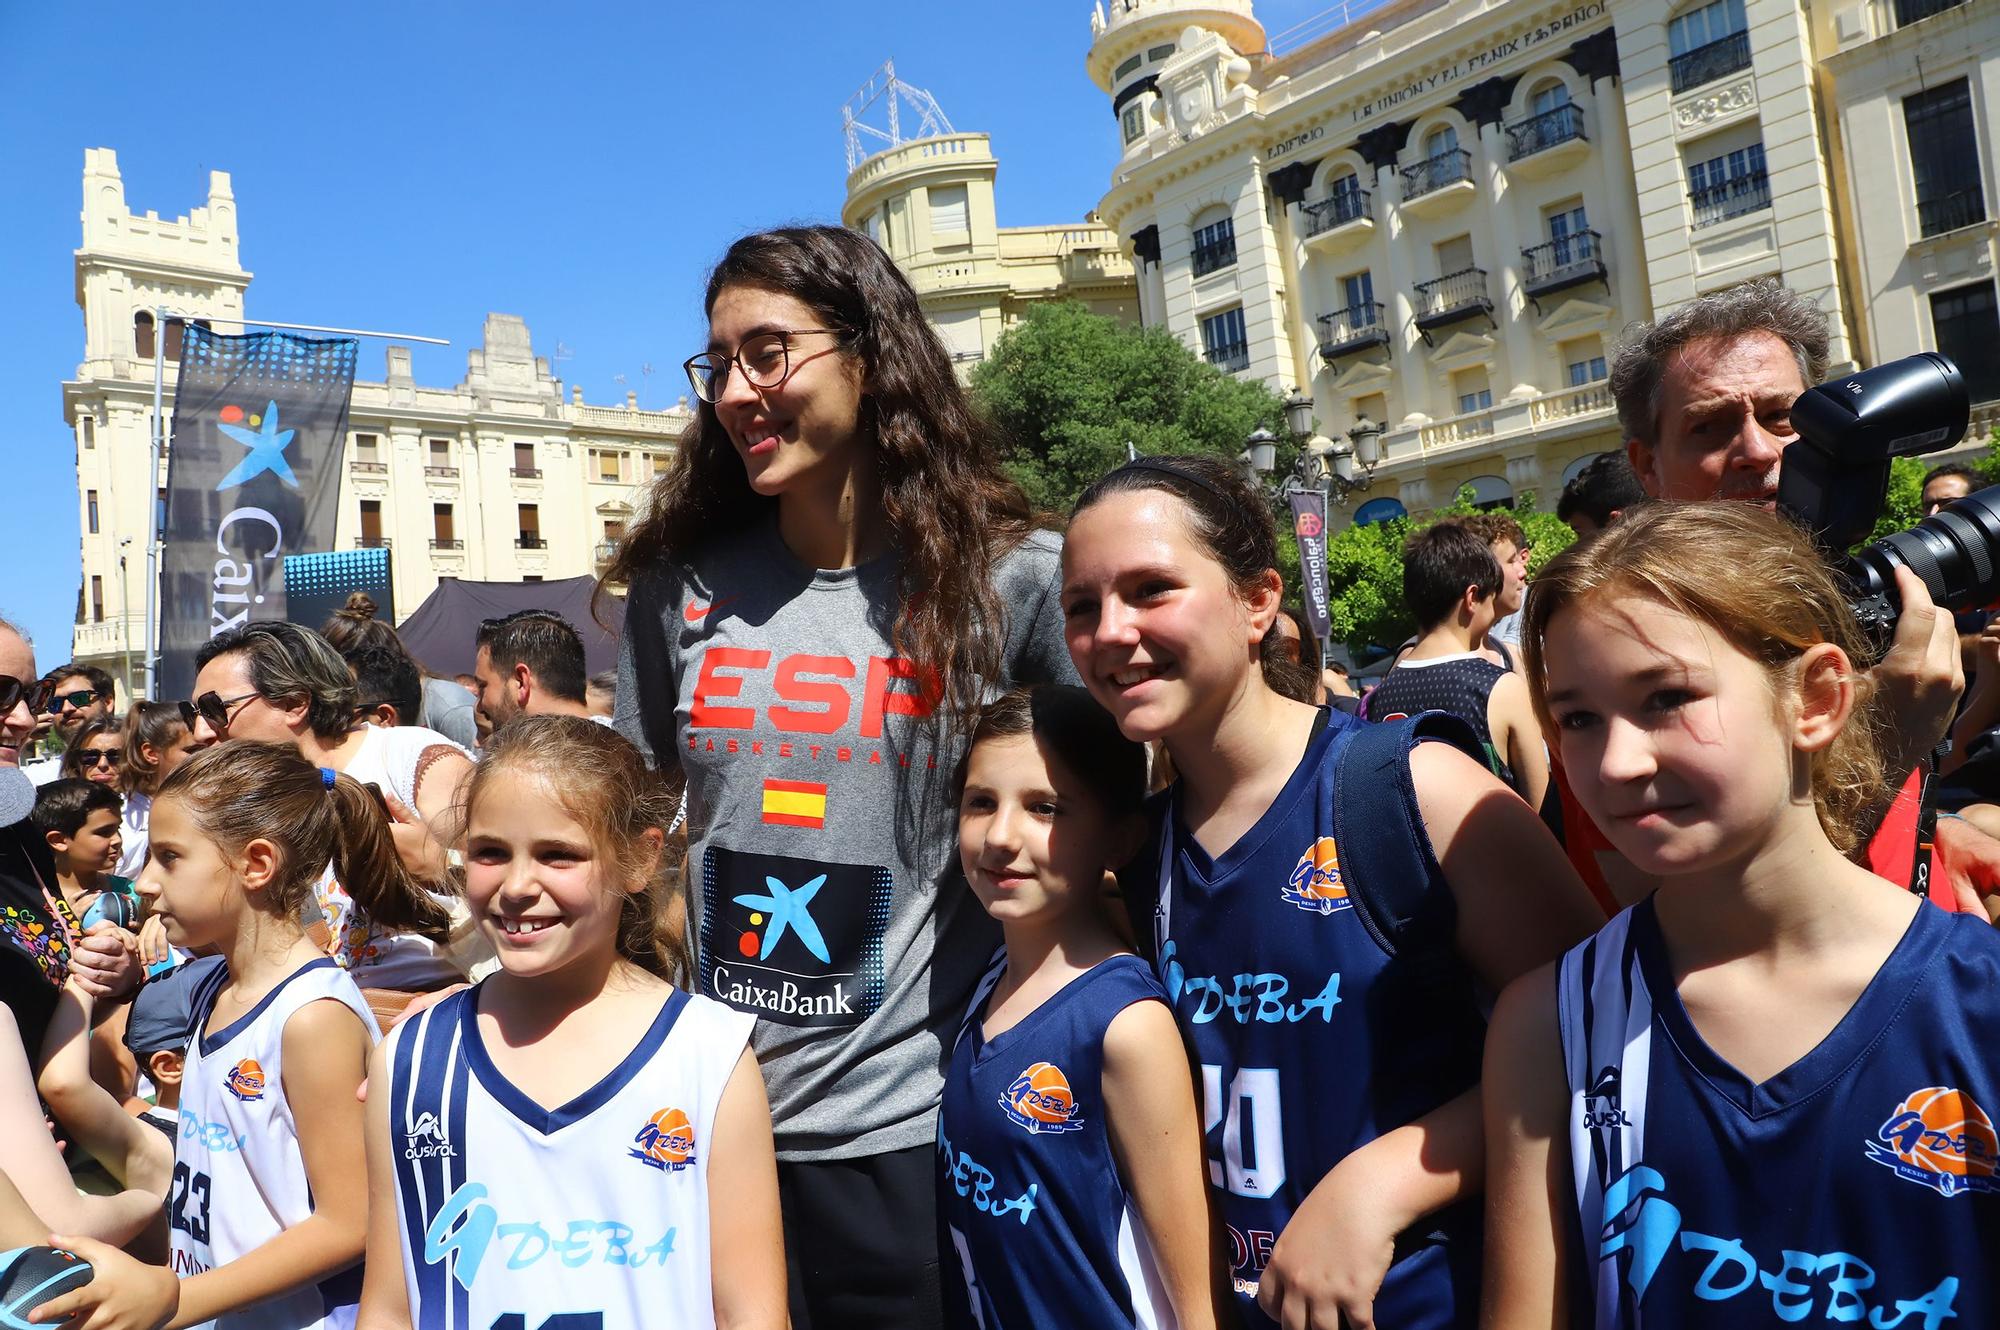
x=1458 y=685
x=1040 y=1229
x=1856 y=1186
x=1312 y=1039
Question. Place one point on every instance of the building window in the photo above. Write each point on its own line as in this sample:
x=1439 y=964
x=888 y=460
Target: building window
x=88 y=425
x=1159 y=52
x=96 y=599
x=367 y=448
x=1473 y=390
x=1214 y=246
x=524 y=460
x=443 y=534
x=531 y=577
x=1944 y=156
x=1133 y=119
x=90 y=510
x=1548 y=99
x=950 y=209
x=371 y=523
x=1375 y=406
x=440 y=452
x=530 y=518
x=608 y=468
x=1910 y=11
x=176 y=333
x=1707 y=43
x=1127 y=67
x=1729 y=185
x=1584 y=359
x=1359 y=288
x=160 y=510
x=614 y=529
x=1968 y=331
x=1224 y=342
x=142 y=334
x=1440 y=141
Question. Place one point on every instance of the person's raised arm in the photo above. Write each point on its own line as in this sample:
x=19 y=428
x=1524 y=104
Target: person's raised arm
x=1156 y=1136
x=134 y=1153
x=1527 y=1156
x=746 y=1239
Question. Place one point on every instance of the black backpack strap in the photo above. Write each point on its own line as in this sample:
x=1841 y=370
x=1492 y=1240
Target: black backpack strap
x=1385 y=854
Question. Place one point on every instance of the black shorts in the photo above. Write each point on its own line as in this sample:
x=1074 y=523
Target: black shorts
x=861 y=1241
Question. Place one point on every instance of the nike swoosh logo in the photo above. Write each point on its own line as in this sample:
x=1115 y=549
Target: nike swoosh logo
x=696 y=611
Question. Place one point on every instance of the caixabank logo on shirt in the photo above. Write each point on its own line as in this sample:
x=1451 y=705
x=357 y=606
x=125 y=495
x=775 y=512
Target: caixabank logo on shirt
x=797 y=941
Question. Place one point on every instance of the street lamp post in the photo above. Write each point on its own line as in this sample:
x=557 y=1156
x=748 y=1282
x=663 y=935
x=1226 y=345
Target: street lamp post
x=1334 y=469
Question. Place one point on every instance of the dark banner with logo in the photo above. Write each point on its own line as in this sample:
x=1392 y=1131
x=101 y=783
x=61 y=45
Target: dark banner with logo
x=253 y=474
x=1309 y=525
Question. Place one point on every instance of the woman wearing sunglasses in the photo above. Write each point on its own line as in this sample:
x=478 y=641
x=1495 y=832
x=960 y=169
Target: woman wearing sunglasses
x=833 y=574
x=40 y=950
x=97 y=754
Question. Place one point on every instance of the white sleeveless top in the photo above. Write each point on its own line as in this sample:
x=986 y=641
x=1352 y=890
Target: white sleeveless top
x=239 y=1179
x=593 y=1214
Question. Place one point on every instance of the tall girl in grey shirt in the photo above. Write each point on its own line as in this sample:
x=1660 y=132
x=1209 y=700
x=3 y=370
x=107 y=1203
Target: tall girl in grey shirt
x=833 y=575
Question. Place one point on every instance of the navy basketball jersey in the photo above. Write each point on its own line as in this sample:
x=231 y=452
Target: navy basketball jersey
x=1312 y=1039
x=1028 y=1189
x=1856 y=1186
x=592 y=1216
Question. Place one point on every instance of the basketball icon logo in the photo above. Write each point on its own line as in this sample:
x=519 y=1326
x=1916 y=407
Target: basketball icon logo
x=666 y=1142
x=1315 y=883
x=1941 y=1139
x=245 y=1080
x=1039 y=1100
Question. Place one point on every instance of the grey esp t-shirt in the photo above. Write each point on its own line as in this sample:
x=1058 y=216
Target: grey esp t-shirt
x=824 y=887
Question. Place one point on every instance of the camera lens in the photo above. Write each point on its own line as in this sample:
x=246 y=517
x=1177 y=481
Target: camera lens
x=1952 y=552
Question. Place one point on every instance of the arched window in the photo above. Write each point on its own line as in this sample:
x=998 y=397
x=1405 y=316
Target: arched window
x=142 y=334
x=1549 y=97
x=176 y=330
x=1489 y=492
x=1440 y=141
x=1575 y=468
x=1344 y=183
x=1214 y=240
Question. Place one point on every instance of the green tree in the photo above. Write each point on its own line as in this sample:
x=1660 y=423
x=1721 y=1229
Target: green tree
x=1903 y=508
x=1069 y=389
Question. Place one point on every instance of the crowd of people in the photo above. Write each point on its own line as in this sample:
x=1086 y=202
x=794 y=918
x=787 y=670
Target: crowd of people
x=943 y=919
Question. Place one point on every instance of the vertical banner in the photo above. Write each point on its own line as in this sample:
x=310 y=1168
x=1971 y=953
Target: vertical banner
x=1309 y=526
x=253 y=474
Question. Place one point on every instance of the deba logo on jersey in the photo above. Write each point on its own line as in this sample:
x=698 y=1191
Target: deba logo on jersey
x=1939 y=1139
x=1039 y=1101
x=666 y=1142
x=245 y=1080
x=1315 y=883
x=797 y=941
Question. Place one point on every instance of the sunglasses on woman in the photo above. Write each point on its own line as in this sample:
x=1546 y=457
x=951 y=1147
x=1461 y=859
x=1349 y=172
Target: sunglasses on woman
x=215 y=709
x=12 y=690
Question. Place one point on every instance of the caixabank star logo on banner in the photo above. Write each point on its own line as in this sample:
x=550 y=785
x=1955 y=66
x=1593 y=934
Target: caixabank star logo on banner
x=253 y=474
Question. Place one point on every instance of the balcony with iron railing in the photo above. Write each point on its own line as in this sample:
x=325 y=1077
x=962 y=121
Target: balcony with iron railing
x=368 y=466
x=441 y=472
x=1952 y=210
x=1746 y=193
x=1214 y=256
x=1355 y=328
x=1912 y=11
x=371 y=542
x=1449 y=168
x=1452 y=297
x=526 y=473
x=1229 y=357
x=447 y=543
x=1337 y=210
x=607 y=550
x=530 y=542
x=1705 y=64
x=1551 y=129
x=1564 y=262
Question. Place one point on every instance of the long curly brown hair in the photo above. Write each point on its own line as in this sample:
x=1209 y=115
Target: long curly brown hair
x=950 y=509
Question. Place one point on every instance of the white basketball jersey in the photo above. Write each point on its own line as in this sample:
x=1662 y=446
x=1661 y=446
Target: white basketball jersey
x=593 y=1216
x=239 y=1179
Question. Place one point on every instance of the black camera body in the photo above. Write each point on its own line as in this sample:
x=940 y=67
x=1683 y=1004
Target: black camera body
x=1835 y=479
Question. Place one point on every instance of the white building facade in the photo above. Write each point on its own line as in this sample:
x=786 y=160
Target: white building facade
x=1439 y=214
x=498 y=477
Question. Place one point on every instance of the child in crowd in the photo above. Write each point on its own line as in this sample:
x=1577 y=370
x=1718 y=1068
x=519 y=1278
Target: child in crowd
x=157 y=741
x=266 y=1220
x=1762 y=1094
x=158 y=1034
x=1453 y=585
x=1069 y=1156
x=81 y=821
x=1338 y=1050
x=575 y=1141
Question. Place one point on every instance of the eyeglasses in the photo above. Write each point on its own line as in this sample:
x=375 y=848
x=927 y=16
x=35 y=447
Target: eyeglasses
x=12 y=690
x=766 y=362
x=79 y=699
x=97 y=757
x=215 y=710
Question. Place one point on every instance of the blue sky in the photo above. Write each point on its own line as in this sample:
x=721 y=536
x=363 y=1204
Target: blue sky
x=411 y=166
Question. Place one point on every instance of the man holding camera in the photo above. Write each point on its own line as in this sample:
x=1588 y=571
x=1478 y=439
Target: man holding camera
x=1704 y=400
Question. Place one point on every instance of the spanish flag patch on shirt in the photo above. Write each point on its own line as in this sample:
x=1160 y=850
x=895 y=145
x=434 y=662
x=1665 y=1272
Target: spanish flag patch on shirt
x=794 y=803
